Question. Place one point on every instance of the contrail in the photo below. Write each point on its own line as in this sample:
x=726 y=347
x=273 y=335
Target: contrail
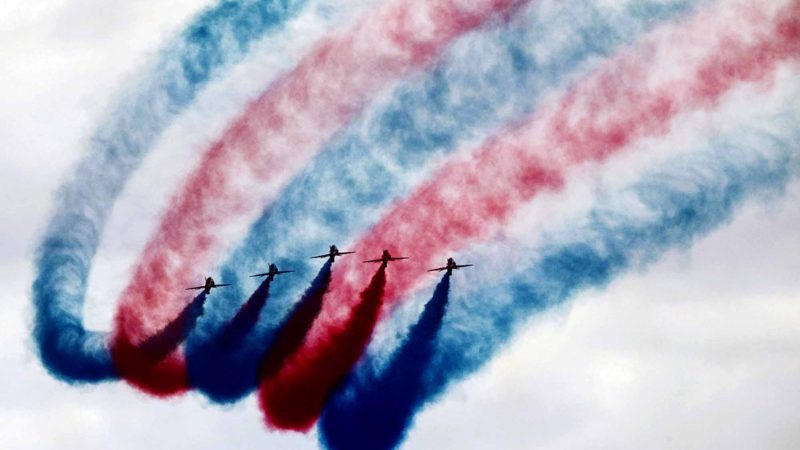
x=379 y=156
x=385 y=402
x=295 y=403
x=137 y=117
x=625 y=101
x=671 y=206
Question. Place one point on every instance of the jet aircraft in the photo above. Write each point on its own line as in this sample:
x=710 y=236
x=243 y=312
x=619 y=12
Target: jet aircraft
x=273 y=270
x=332 y=253
x=451 y=264
x=208 y=286
x=385 y=258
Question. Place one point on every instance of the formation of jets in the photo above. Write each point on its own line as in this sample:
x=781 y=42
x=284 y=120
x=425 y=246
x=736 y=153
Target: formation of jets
x=333 y=252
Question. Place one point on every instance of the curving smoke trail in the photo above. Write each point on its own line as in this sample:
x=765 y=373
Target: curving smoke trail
x=379 y=158
x=226 y=365
x=216 y=38
x=385 y=401
x=278 y=134
x=668 y=207
x=296 y=404
x=142 y=363
x=212 y=365
x=627 y=100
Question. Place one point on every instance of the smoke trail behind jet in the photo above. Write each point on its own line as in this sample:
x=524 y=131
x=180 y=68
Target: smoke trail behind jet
x=671 y=206
x=137 y=117
x=385 y=401
x=295 y=403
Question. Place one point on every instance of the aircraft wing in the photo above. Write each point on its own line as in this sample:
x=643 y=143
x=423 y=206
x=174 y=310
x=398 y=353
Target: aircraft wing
x=373 y=260
x=398 y=258
x=283 y=271
x=196 y=287
x=458 y=266
x=327 y=255
x=438 y=269
x=222 y=284
x=258 y=275
x=345 y=253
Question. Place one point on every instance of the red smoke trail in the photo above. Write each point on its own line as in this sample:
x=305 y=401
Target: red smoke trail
x=153 y=377
x=277 y=135
x=630 y=98
x=297 y=405
x=145 y=362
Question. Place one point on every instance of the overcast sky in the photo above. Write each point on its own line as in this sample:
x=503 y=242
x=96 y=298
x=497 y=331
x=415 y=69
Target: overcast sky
x=700 y=350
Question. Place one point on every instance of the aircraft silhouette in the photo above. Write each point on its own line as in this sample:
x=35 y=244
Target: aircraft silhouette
x=273 y=270
x=451 y=264
x=332 y=253
x=208 y=286
x=385 y=258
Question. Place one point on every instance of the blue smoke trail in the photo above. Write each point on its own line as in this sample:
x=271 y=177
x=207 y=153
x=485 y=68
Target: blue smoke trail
x=670 y=207
x=386 y=401
x=483 y=81
x=216 y=38
x=246 y=319
x=225 y=369
x=292 y=332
